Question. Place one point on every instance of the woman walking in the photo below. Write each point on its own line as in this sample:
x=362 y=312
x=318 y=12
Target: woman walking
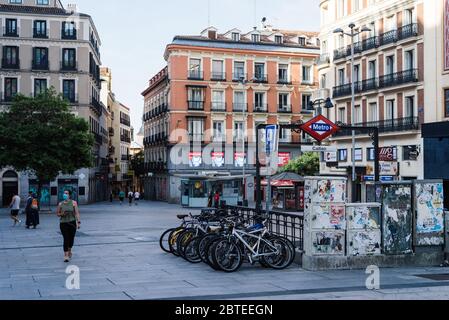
x=70 y=222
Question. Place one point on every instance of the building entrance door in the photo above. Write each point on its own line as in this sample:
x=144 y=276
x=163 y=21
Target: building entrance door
x=10 y=187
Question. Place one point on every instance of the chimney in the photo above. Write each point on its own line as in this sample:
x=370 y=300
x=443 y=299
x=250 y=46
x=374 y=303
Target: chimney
x=72 y=8
x=212 y=34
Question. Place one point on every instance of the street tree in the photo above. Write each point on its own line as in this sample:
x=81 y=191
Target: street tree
x=41 y=136
x=306 y=165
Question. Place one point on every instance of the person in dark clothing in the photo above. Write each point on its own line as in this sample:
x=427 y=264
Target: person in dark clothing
x=217 y=199
x=32 y=211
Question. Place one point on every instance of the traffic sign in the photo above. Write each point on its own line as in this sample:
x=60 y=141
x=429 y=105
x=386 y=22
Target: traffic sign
x=320 y=128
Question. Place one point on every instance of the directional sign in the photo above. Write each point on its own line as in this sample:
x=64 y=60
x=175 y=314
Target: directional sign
x=318 y=149
x=320 y=128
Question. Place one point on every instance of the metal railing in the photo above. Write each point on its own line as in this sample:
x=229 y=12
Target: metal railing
x=236 y=77
x=385 y=126
x=260 y=108
x=284 y=108
x=260 y=78
x=284 y=79
x=69 y=66
x=70 y=35
x=71 y=98
x=398 y=78
x=41 y=34
x=239 y=107
x=195 y=75
x=195 y=105
x=323 y=59
x=218 y=106
x=282 y=224
x=10 y=64
x=387 y=38
x=11 y=33
x=218 y=76
x=196 y=137
x=385 y=81
x=42 y=65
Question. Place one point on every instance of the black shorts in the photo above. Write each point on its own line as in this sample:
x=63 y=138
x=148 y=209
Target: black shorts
x=121 y=199
x=15 y=213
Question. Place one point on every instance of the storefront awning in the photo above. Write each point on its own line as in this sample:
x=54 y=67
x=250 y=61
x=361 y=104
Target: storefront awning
x=280 y=183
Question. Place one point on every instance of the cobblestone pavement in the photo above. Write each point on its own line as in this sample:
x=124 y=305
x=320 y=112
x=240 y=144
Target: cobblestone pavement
x=117 y=252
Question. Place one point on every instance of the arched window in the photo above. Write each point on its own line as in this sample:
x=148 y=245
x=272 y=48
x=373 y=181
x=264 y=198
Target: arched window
x=10 y=174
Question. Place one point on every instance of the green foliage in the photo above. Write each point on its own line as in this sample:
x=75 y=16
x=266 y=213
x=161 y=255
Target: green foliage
x=41 y=136
x=137 y=163
x=306 y=165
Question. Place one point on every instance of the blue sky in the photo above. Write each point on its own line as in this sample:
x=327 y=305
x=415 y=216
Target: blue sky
x=134 y=33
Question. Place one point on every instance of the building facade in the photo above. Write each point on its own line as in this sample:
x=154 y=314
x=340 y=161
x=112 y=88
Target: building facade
x=389 y=76
x=213 y=93
x=45 y=45
x=436 y=127
x=119 y=131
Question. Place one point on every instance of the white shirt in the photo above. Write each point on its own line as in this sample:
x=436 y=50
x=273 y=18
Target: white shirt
x=137 y=195
x=130 y=194
x=16 y=203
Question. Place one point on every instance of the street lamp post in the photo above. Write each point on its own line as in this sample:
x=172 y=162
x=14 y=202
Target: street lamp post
x=327 y=105
x=243 y=82
x=353 y=34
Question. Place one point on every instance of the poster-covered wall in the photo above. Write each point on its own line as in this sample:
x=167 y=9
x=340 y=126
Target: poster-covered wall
x=364 y=229
x=397 y=226
x=429 y=207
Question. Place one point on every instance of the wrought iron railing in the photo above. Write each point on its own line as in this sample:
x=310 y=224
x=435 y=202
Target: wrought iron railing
x=385 y=126
x=290 y=226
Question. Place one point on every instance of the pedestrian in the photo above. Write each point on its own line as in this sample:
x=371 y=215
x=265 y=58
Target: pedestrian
x=70 y=222
x=32 y=211
x=121 y=197
x=15 y=209
x=130 y=197
x=111 y=197
x=217 y=199
x=136 y=198
x=210 y=202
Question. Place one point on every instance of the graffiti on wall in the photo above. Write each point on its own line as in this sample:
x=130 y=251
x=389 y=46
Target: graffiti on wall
x=329 y=217
x=328 y=243
x=429 y=204
x=397 y=219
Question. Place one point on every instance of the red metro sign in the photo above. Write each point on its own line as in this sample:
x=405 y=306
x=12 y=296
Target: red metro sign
x=320 y=128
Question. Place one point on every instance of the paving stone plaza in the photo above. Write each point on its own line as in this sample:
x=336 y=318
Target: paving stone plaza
x=118 y=255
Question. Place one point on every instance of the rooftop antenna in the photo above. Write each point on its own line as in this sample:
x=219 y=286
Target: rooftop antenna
x=255 y=14
x=208 y=13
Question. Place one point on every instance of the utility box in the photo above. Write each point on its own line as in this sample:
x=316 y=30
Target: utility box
x=446 y=224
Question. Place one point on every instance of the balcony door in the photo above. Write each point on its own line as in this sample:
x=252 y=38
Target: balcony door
x=409 y=60
x=259 y=71
x=389 y=65
x=219 y=130
x=372 y=69
x=217 y=70
x=409 y=107
x=409 y=17
x=390 y=111
x=218 y=100
x=196 y=129
x=259 y=101
x=373 y=113
x=239 y=101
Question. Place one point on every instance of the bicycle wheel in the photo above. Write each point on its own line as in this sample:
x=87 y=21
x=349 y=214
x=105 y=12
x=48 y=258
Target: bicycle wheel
x=191 y=250
x=203 y=246
x=227 y=255
x=282 y=258
x=183 y=239
x=173 y=240
x=209 y=253
x=164 y=240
